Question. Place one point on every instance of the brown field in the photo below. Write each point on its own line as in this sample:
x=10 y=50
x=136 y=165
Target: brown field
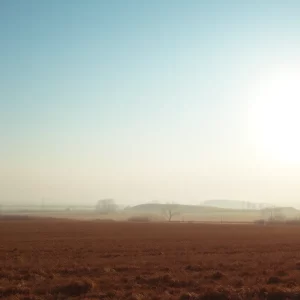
x=65 y=259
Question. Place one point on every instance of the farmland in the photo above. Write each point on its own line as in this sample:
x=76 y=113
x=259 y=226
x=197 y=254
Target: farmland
x=68 y=259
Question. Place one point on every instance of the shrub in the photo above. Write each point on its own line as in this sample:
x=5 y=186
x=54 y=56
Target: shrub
x=293 y=222
x=260 y=222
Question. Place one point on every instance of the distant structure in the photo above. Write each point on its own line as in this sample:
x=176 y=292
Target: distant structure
x=106 y=206
x=236 y=204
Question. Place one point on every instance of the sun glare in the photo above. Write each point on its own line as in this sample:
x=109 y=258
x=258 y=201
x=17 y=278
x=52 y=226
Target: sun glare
x=275 y=114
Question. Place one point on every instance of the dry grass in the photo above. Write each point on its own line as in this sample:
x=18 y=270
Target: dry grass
x=58 y=259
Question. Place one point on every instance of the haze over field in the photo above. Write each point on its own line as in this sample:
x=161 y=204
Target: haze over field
x=163 y=100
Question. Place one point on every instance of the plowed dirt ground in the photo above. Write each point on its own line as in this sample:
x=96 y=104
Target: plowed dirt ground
x=60 y=259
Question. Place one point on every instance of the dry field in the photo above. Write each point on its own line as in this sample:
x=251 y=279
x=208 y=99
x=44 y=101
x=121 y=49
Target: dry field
x=60 y=259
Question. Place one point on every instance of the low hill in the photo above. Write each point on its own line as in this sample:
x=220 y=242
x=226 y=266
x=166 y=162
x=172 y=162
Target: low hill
x=193 y=209
x=209 y=213
x=288 y=212
x=235 y=204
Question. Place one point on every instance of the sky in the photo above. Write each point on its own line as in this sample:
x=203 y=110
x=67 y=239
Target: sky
x=139 y=101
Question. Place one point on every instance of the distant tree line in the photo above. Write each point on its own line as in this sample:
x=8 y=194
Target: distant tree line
x=106 y=206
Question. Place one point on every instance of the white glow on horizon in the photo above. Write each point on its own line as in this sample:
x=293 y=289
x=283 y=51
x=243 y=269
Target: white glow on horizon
x=275 y=113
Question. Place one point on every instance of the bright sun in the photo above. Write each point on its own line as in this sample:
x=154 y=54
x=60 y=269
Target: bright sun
x=275 y=113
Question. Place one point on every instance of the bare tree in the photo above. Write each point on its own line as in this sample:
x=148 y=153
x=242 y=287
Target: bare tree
x=266 y=213
x=273 y=214
x=279 y=215
x=169 y=211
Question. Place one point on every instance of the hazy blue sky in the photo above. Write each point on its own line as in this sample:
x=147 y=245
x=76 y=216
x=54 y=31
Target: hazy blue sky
x=145 y=100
